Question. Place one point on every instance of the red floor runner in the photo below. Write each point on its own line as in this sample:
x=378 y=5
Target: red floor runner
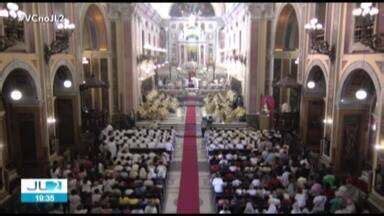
x=188 y=201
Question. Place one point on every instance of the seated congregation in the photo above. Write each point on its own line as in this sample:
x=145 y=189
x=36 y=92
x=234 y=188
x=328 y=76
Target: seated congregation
x=256 y=172
x=128 y=175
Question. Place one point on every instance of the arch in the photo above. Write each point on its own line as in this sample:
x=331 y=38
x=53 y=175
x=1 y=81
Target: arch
x=18 y=64
x=295 y=8
x=186 y=9
x=355 y=117
x=71 y=69
x=366 y=67
x=287 y=28
x=323 y=68
x=19 y=79
x=321 y=65
x=63 y=73
x=95 y=14
x=164 y=8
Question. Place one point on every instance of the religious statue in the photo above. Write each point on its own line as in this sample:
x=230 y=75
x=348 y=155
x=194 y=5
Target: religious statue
x=285 y=108
x=265 y=109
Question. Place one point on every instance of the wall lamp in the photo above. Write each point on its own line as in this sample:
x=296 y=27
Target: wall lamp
x=14 y=17
x=318 y=44
x=64 y=30
x=366 y=14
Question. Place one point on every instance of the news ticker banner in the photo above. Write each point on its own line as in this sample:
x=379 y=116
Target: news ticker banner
x=44 y=190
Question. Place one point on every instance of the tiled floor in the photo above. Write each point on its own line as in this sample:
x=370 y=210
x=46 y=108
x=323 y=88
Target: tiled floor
x=206 y=204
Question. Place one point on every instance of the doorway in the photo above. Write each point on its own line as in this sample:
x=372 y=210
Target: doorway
x=356 y=104
x=315 y=124
x=25 y=145
x=64 y=93
x=65 y=124
x=23 y=136
x=351 y=162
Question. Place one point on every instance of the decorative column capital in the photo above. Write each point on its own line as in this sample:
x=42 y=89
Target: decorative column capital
x=123 y=11
x=261 y=11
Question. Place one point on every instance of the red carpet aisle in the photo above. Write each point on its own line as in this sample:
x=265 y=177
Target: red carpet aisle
x=188 y=201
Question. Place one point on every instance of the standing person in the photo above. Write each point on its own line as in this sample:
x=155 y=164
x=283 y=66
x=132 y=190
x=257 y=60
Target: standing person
x=209 y=122
x=131 y=119
x=203 y=126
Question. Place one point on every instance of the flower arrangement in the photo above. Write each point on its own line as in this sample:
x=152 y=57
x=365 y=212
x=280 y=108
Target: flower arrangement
x=220 y=105
x=157 y=106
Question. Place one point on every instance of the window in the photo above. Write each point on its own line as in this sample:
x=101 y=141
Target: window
x=358 y=27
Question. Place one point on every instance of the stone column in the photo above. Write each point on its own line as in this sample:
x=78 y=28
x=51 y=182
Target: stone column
x=332 y=105
x=3 y=144
x=41 y=34
x=120 y=63
x=255 y=78
x=131 y=93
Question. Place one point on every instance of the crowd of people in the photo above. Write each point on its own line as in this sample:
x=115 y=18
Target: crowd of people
x=255 y=172
x=127 y=176
x=137 y=138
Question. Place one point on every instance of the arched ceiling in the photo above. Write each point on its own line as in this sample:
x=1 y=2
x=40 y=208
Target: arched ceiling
x=188 y=9
x=164 y=9
x=95 y=34
x=287 y=29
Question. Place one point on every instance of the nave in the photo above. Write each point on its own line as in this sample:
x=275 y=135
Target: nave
x=177 y=169
x=203 y=107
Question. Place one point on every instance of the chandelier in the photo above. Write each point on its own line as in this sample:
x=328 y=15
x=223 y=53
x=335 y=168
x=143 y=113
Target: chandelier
x=14 y=18
x=318 y=44
x=366 y=14
x=63 y=32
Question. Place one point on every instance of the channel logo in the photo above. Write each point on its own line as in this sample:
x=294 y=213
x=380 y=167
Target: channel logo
x=44 y=190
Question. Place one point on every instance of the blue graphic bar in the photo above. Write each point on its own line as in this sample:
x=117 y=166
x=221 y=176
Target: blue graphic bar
x=44 y=198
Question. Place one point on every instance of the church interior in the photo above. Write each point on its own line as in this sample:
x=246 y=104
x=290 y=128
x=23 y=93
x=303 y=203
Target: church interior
x=191 y=108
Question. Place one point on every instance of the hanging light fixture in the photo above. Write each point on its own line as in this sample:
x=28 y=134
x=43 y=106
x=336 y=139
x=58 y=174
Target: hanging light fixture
x=374 y=127
x=14 y=16
x=16 y=95
x=366 y=14
x=12 y=6
x=51 y=120
x=84 y=60
x=67 y=83
x=318 y=44
x=311 y=84
x=379 y=147
x=361 y=94
x=327 y=121
x=64 y=30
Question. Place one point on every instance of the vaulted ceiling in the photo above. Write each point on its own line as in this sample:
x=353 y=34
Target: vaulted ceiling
x=166 y=10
